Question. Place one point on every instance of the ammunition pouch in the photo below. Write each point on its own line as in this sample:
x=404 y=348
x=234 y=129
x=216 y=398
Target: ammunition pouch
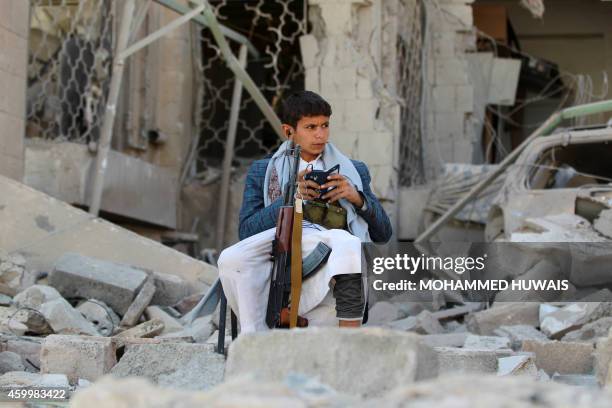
x=330 y=216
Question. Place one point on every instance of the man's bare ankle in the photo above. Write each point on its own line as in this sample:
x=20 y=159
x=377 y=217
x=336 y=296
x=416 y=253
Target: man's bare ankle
x=349 y=323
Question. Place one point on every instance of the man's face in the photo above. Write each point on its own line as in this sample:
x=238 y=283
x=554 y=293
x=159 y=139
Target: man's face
x=312 y=134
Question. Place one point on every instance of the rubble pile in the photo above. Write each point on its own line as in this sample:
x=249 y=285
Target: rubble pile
x=91 y=326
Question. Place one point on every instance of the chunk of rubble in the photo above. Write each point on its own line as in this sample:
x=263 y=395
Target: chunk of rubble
x=10 y=361
x=571 y=317
x=603 y=223
x=591 y=331
x=35 y=296
x=199 y=330
x=507 y=314
x=177 y=365
x=171 y=289
x=16 y=379
x=170 y=323
x=77 y=356
x=545 y=310
x=34 y=320
x=581 y=380
x=140 y=303
x=486 y=342
x=458 y=360
x=64 y=319
x=423 y=323
x=185 y=305
x=78 y=276
x=519 y=333
x=603 y=359
x=103 y=318
x=517 y=365
x=148 y=329
x=561 y=357
x=445 y=339
x=384 y=312
x=5 y=300
x=26 y=346
x=12 y=272
x=382 y=358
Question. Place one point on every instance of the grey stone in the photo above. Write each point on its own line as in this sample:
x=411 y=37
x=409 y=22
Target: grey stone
x=423 y=323
x=561 y=357
x=12 y=271
x=140 y=303
x=170 y=323
x=64 y=319
x=380 y=359
x=34 y=320
x=27 y=347
x=10 y=361
x=486 y=321
x=102 y=317
x=545 y=310
x=177 y=365
x=185 y=305
x=384 y=312
x=78 y=276
x=77 y=356
x=486 y=342
x=15 y=379
x=5 y=300
x=571 y=317
x=171 y=289
x=35 y=296
x=457 y=360
x=517 y=365
x=200 y=330
x=590 y=331
x=148 y=329
x=603 y=358
x=445 y=339
x=519 y=333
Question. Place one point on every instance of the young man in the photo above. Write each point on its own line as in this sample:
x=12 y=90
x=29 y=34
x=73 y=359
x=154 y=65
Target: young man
x=244 y=268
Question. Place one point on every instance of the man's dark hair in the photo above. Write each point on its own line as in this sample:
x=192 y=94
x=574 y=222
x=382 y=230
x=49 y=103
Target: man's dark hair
x=303 y=104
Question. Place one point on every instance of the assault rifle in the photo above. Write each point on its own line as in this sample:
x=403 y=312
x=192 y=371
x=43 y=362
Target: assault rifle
x=288 y=269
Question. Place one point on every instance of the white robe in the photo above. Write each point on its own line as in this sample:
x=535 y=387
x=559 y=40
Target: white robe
x=244 y=270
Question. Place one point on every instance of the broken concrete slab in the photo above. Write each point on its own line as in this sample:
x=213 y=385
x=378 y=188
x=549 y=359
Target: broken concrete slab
x=458 y=360
x=171 y=289
x=64 y=319
x=517 y=365
x=178 y=365
x=170 y=323
x=36 y=295
x=103 y=318
x=78 y=276
x=19 y=379
x=43 y=229
x=507 y=314
x=34 y=320
x=445 y=339
x=475 y=342
x=26 y=346
x=10 y=361
x=571 y=317
x=140 y=303
x=591 y=331
x=77 y=356
x=199 y=330
x=423 y=323
x=519 y=333
x=561 y=357
x=185 y=305
x=393 y=357
x=12 y=271
x=603 y=223
x=603 y=359
x=148 y=329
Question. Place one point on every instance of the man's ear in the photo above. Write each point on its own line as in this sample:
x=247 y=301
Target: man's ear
x=288 y=130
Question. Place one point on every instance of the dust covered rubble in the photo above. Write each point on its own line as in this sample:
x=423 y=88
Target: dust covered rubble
x=92 y=326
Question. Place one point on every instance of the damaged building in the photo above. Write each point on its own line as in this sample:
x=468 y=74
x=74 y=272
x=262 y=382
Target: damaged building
x=126 y=134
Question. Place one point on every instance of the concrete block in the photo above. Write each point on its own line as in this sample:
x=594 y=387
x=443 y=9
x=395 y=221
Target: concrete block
x=375 y=148
x=116 y=285
x=444 y=98
x=176 y=365
x=423 y=323
x=140 y=303
x=561 y=357
x=338 y=82
x=448 y=124
x=464 y=98
x=27 y=347
x=365 y=90
x=485 y=322
x=517 y=365
x=12 y=98
x=188 y=303
x=64 y=319
x=309 y=48
x=11 y=167
x=386 y=358
x=384 y=312
x=459 y=16
x=13 y=58
x=10 y=361
x=22 y=379
x=347 y=142
x=35 y=296
x=383 y=181
x=170 y=323
x=77 y=356
x=445 y=339
x=474 y=342
x=170 y=289
x=337 y=17
x=148 y=329
x=361 y=114
x=457 y=360
x=602 y=358
x=519 y=333
x=558 y=323
x=591 y=332
x=451 y=71
x=312 y=81
x=12 y=137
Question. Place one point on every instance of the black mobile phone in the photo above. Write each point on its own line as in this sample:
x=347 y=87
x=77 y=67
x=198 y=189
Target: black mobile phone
x=320 y=177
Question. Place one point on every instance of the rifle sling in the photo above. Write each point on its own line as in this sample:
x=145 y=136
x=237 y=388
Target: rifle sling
x=296 y=263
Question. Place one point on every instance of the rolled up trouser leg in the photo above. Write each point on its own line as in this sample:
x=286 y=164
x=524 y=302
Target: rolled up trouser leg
x=350 y=299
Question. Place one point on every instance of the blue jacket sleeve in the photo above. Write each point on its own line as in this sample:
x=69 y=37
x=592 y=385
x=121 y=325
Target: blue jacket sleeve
x=254 y=216
x=379 y=224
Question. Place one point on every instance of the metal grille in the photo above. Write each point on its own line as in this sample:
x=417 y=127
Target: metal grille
x=410 y=87
x=274 y=27
x=70 y=54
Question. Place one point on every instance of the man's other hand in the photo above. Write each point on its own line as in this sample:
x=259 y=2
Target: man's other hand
x=307 y=189
x=343 y=189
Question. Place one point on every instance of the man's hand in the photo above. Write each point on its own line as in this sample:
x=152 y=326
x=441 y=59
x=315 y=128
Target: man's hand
x=343 y=189
x=307 y=189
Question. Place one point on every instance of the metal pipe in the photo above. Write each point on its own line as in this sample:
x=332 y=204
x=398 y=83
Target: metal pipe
x=140 y=17
x=161 y=32
x=240 y=73
x=229 y=154
x=229 y=33
x=546 y=128
x=111 y=109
